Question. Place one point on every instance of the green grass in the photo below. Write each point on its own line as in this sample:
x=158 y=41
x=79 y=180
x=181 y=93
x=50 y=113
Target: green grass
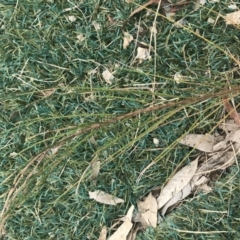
x=39 y=50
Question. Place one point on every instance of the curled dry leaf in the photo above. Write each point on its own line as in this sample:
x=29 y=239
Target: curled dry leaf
x=72 y=18
x=105 y=198
x=142 y=53
x=177 y=183
x=96 y=25
x=103 y=233
x=220 y=161
x=201 y=142
x=204 y=188
x=54 y=150
x=108 y=77
x=80 y=37
x=148 y=211
x=127 y=39
x=178 y=77
x=124 y=229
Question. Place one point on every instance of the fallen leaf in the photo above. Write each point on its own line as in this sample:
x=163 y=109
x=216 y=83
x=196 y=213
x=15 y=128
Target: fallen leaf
x=229 y=108
x=122 y=232
x=105 y=198
x=170 y=15
x=204 y=188
x=201 y=142
x=133 y=233
x=156 y=142
x=177 y=183
x=228 y=125
x=80 y=37
x=96 y=25
x=148 y=211
x=219 y=161
x=47 y=92
x=178 y=77
x=211 y=20
x=72 y=18
x=54 y=150
x=142 y=53
x=95 y=169
x=202 y=180
x=235 y=136
x=153 y=29
x=103 y=233
x=178 y=197
x=198 y=4
x=233 y=18
x=108 y=77
x=127 y=39
x=13 y=154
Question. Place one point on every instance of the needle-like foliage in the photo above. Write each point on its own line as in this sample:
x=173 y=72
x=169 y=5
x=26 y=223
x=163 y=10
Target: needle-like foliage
x=57 y=115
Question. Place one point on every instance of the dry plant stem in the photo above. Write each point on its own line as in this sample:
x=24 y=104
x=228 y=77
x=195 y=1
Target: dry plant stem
x=14 y=191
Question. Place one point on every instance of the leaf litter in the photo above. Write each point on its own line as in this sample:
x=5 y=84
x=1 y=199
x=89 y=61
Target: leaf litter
x=105 y=198
x=215 y=153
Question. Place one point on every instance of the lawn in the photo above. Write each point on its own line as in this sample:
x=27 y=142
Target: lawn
x=61 y=116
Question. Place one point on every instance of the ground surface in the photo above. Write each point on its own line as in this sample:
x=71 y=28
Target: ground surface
x=52 y=86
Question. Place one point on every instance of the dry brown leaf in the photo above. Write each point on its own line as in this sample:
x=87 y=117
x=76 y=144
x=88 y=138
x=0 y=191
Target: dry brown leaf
x=105 y=198
x=122 y=232
x=72 y=18
x=103 y=233
x=142 y=53
x=108 y=77
x=204 y=188
x=96 y=25
x=148 y=210
x=233 y=18
x=47 y=92
x=170 y=15
x=80 y=37
x=201 y=142
x=178 y=77
x=219 y=161
x=235 y=136
x=228 y=125
x=127 y=39
x=231 y=111
x=177 y=183
x=54 y=150
x=178 y=197
x=210 y=20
